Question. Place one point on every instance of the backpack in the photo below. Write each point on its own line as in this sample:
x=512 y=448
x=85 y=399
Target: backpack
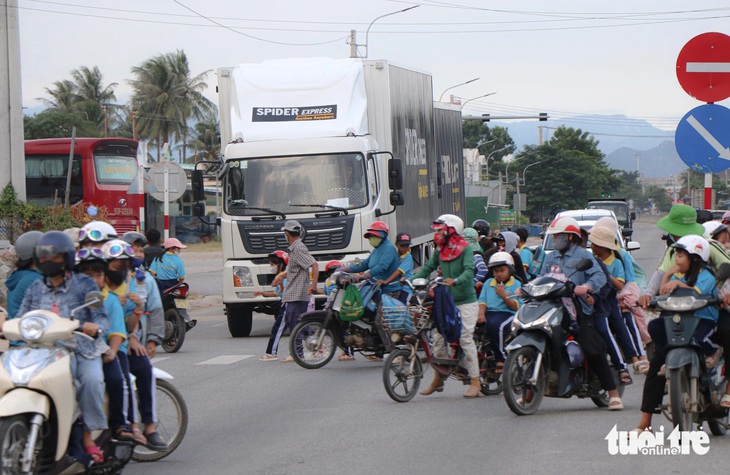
x=352 y=307
x=446 y=315
x=538 y=257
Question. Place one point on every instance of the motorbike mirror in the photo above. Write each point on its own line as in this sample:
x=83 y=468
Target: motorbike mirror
x=93 y=300
x=723 y=273
x=584 y=264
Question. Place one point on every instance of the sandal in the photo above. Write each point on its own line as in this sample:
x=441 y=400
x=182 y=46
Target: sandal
x=641 y=367
x=124 y=433
x=139 y=438
x=268 y=357
x=97 y=456
x=615 y=404
x=288 y=359
x=725 y=401
x=345 y=357
x=374 y=358
x=625 y=378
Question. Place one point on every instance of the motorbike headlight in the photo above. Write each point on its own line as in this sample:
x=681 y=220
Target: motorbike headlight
x=32 y=327
x=242 y=277
x=682 y=304
x=539 y=290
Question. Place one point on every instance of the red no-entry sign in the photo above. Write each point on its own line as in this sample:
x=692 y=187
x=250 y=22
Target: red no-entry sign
x=703 y=67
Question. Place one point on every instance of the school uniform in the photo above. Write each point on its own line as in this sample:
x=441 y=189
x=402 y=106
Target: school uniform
x=499 y=315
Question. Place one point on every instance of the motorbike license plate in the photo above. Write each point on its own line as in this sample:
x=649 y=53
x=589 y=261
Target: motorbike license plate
x=181 y=303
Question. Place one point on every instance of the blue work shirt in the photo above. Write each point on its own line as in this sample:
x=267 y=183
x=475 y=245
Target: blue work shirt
x=381 y=263
x=559 y=263
x=66 y=297
x=168 y=267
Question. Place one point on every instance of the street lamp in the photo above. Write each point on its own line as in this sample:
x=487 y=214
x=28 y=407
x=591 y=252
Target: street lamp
x=519 y=196
x=490 y=156
x=474 y=161
x=463 y=104
x=367 y=33
x=452 y=87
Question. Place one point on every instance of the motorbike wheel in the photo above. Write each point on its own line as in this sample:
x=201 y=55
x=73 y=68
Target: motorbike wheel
x=718 y=426
x=679 y=398
x=602 y=399
x=303 y=345
x=400 y=382
x=13 y=439
x=491 y=381
x=172 y=415
x=518 y=369
x=175 y=329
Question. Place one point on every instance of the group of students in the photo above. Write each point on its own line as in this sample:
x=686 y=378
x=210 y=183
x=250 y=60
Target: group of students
x=55 y=271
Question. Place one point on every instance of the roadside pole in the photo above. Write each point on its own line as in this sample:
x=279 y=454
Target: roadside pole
x=166 y=202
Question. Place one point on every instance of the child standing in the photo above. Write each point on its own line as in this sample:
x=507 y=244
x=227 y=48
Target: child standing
x=278 y=261
x=405 y=265
x=525 y=252
x=497 y=304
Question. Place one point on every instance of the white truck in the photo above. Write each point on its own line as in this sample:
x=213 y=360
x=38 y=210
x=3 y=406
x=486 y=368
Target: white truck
x=336 y=145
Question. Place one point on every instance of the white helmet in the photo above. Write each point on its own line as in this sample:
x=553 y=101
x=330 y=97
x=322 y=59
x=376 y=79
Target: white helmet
x=564 y=224
x=694 y=244
x=712 y=229
x=501 y=259
x=450 y=221
x=97 y=231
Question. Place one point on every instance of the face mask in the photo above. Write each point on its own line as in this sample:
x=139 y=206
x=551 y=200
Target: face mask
x=51 y=269
x=561 y=242
x=439 y=238
x=117 y=276
x=137 y=262
x=274 y=269
x=375 y=241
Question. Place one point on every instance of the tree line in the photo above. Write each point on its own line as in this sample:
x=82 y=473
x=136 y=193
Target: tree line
x=167 y=106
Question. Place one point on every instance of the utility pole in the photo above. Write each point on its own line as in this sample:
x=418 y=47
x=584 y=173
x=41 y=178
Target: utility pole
x=353 y=44
x=539 y=136
x=12 y=158
x=134 y=125
x=106 y=120
x=518 y=205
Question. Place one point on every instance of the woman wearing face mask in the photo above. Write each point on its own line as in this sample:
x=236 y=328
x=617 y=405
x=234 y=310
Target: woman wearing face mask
x=169 y=268
x=456 y=259
x=383 y=261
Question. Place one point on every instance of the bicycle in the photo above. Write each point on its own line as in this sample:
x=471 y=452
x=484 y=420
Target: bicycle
x=403 y=369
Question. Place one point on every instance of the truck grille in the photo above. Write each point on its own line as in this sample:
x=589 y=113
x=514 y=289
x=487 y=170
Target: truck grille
x=321 y=234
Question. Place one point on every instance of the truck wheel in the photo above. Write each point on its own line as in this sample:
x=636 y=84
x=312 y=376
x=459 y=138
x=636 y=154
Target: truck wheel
x=240 y=318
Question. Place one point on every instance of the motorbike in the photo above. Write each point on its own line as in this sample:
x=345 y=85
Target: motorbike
x=411 y=332
x=175 y=305
x=694 y=390
x=542 y=358
x=38 y=409
x=314 y=340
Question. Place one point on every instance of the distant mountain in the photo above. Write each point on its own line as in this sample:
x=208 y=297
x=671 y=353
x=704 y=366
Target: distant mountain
x=619 y=137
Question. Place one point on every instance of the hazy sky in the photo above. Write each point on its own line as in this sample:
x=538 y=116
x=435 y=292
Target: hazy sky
x=563 y=57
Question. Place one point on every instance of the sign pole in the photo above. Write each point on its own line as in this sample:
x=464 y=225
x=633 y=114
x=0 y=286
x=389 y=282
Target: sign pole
x=140 y=184
x=166 y=203
x=708 y=190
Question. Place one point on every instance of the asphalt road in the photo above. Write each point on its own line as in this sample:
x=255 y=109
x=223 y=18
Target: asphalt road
x=248 y=416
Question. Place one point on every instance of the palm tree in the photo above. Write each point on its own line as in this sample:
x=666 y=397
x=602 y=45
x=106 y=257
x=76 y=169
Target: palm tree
x=63 y=96
x=207 y=137
x=166 y=98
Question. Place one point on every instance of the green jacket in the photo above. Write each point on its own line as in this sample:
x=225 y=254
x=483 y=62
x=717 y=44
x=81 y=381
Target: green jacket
x=460 y=269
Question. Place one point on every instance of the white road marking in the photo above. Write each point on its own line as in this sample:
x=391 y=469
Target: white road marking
x=228 y=359
x=708 y=67
x=160 y=359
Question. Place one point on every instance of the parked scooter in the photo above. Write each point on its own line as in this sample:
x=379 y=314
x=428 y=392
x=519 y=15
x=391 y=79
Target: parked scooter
x=175 y=305
x=542 y=360
x=694 y=390
x=38 y=407
x=314 y=340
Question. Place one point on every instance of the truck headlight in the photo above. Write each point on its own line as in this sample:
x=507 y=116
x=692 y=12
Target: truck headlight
x=242 y=277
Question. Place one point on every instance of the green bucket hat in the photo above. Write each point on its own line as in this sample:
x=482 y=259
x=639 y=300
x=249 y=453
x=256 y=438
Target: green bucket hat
x=681 y=221
x=472 y=237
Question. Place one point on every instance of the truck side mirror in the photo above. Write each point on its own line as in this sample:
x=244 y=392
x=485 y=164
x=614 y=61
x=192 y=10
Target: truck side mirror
x=395 y=175
x=198 y=210
x=196 y=181
x=397 y=198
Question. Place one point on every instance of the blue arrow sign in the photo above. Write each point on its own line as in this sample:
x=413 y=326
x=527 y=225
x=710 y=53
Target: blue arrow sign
x=702 y=138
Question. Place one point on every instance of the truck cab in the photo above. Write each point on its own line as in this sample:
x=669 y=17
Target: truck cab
x=621 y=209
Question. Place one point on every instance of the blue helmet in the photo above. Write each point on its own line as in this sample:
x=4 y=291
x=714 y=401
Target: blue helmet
x=54 y=243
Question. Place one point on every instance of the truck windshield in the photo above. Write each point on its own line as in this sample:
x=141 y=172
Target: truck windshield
x=284 y=184
x=620 y=209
